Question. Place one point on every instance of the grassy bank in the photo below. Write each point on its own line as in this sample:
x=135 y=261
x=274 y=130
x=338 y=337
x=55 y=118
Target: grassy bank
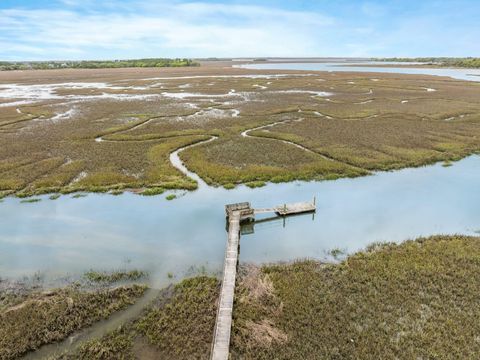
x=49 y=316
x=178 y=325
x=416 y=300
x=409 y=301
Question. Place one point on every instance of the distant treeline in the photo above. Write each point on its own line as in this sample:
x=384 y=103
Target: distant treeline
x=94 y=64
x=468 y=62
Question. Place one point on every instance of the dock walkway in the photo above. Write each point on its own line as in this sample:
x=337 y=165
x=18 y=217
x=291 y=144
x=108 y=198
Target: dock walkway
x=223 y=325
x=235 y=214
x=289 y=209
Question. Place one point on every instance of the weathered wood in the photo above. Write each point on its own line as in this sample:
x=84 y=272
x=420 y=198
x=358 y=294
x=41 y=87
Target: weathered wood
x=223 y=325
x=297 y=208
x=237 y=206
x=244 y=210
x=289 y=209
x=235 y=214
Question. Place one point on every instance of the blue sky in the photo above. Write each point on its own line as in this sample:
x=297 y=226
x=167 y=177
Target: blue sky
x=97 y=29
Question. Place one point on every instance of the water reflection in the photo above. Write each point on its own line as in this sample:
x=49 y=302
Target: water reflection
x=104 y=232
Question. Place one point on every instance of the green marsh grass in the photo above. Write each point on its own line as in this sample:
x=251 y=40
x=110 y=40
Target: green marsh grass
x=46 y=317
x=109 y=277
x=414 y=300
x=29 y=201
x=152 y=191
x=346 y=136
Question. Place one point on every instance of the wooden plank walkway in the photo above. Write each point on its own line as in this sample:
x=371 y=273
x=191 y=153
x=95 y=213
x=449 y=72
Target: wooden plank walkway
x=289 y=209
x=235 y=214
x=223 y=325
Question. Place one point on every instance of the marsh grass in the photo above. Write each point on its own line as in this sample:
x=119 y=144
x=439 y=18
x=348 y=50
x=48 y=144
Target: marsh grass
x=54 y=196
x=177 y=325
x=171 y=197
x=336 y=253
x=384 y=134
x=117 y=344
x=152 y=191
x=417 y=299
x=29 y=201
x=46 y=317
x=413 y=300
x=255 y=184
x=109 y=277
x=182 y=328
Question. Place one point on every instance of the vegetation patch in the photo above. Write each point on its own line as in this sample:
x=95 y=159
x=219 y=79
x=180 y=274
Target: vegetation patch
x=183 y=327
x=48 y=65
x=45 y=317
x=152 y=191
x=278 y=135
x=115 y=276
x=255 y=184
x=115 y=345
x=178 y=325
x=171 y=197
x=28 y=201
x=413 y=300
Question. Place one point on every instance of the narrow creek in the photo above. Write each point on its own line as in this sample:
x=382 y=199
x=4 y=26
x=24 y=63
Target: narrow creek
x=95 y=331
x=187 y=236
x=70 y=236
x=178 y=163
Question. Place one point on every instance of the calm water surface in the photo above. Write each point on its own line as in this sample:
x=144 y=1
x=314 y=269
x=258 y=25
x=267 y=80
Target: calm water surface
x=69 y=236
x=461 y=74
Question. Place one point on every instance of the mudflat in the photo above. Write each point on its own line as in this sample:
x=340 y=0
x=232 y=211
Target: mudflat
x=111 y=129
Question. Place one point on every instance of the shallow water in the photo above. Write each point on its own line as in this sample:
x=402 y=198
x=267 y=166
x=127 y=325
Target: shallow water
x=461 y=74
x=69 y=236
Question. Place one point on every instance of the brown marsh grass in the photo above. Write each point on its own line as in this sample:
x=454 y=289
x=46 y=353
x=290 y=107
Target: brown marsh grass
x=144 y=114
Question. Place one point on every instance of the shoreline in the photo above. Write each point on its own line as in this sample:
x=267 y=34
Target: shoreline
x=262 y=287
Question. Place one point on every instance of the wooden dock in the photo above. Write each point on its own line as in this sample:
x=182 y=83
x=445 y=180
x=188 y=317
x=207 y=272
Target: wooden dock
x=289 y=209
x=237 y=213
x=223 y=324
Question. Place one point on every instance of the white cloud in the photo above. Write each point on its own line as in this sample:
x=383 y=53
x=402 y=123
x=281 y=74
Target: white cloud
x=92 y=29
x=191 y=29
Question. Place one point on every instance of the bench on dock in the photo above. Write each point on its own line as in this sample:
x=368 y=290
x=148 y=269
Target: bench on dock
x=243 y=210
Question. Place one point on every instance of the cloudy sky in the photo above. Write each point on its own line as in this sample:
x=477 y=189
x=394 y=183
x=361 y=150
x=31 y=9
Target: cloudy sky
x=108 y=29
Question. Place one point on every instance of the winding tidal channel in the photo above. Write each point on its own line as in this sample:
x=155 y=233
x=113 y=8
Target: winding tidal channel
x=185 y=236
x=69 y=236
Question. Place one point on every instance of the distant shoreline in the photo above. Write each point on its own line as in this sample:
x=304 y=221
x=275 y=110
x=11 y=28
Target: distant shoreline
x=93 y=64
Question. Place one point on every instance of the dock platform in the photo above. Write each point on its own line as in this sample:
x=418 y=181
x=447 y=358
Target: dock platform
x=289 y=209
x=237 y=213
